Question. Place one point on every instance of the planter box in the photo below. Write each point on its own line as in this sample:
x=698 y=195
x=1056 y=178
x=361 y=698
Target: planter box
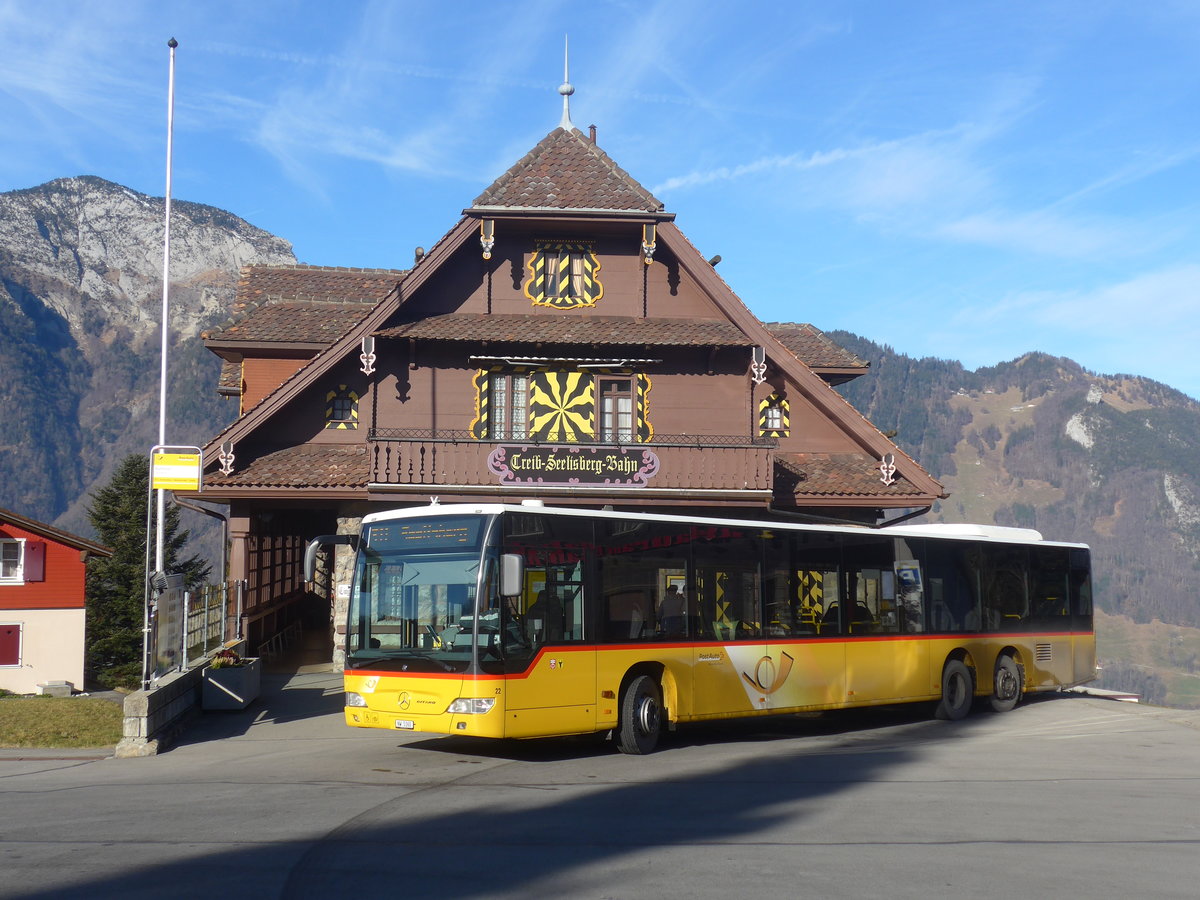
x=232 y=687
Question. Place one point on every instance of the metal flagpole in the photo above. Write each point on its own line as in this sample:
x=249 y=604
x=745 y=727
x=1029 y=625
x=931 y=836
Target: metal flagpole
x=166 y=326
x=153 y=580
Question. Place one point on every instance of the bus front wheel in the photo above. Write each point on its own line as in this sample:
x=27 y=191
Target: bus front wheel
x=641 y=716
x=1006 y=684
x=957 y=691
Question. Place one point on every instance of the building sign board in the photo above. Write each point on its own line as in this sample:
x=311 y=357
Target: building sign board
x=576 y=466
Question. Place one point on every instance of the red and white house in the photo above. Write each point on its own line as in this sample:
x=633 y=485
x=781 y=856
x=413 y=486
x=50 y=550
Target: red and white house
x=42 y=605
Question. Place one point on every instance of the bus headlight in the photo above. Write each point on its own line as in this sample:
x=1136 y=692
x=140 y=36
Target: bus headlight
x=353 y=699
x=472 y=705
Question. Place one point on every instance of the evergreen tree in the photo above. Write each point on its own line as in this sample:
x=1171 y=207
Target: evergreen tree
x=116 y=586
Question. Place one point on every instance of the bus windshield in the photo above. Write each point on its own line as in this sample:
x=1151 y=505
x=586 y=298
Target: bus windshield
x=412 y=604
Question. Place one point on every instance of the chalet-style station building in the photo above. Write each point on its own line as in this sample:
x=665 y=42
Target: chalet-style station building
x=564 y=341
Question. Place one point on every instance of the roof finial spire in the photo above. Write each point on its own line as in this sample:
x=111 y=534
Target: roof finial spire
x=566 y=89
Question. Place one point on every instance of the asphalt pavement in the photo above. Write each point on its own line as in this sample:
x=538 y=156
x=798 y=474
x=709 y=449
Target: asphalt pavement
x=1062 y=795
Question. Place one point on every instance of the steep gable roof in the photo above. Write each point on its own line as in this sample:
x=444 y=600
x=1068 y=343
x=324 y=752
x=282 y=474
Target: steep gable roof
x=823 y=396
x=813 y=347
x=9 y=517
x=299 y=303
x=566 y=171
x=374 y=319
x=292 y=322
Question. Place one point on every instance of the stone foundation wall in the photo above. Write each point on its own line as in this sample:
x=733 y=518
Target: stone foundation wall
x=343 y=577
x=153 y=717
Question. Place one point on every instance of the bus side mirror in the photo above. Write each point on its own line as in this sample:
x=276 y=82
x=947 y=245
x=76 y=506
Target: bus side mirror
x=324 y=540
x=512 y=574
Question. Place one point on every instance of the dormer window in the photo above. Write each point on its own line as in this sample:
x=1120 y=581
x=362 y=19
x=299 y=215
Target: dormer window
x=774 y=416
x=341 y=408
x=563 y=275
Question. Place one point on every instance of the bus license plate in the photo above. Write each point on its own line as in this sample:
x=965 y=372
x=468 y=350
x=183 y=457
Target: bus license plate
x=408 y=724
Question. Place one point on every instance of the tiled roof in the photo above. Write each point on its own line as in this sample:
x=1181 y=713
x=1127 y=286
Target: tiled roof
x=9 y=517
x=567 y=171
x=230 y=381
x=572 y=329
x=810 y=345
x=805 y=475
x=317 y=300
x=308 y=465
x=329 y=283
x=294 y=322
x=835 y=474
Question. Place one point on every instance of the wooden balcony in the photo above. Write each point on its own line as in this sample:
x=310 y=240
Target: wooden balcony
x=401 y=458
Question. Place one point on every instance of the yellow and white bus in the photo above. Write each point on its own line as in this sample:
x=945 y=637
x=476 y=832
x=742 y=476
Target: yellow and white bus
x=521 y=621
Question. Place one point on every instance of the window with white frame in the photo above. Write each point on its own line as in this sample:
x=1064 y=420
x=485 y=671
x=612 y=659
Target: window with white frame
x=12 y=561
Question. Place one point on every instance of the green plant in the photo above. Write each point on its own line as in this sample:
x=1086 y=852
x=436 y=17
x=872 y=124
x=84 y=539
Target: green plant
x=226 y=659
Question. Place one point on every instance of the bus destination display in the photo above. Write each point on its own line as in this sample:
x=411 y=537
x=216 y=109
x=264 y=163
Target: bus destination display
x=457 y=533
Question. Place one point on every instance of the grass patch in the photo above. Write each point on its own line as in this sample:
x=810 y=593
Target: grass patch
x=59 y=722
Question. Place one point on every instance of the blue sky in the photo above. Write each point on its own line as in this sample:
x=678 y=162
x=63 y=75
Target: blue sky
x=962 y=180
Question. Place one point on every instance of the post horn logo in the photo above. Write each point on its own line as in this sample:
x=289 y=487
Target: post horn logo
x=767 y=678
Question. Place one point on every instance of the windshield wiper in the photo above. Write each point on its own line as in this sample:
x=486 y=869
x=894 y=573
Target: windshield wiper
x=397 y=663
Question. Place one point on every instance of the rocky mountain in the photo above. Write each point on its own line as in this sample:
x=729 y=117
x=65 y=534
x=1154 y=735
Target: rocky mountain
x=80 y=303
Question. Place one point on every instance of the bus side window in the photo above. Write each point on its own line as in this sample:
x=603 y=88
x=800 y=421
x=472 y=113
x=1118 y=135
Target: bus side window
x=727 y=583
x=635 y=567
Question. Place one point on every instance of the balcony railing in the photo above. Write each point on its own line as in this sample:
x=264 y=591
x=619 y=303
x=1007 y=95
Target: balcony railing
x=677 y=461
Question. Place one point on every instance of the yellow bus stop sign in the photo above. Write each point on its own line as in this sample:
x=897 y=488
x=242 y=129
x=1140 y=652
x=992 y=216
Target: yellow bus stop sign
x=175 y=469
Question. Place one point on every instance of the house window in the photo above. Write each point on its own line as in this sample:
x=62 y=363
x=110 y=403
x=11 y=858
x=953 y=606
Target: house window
x=616 y=409
x=509 y=406
x=560 y=406
x=774 y=417
x=563 y=275
x=11 y=561
x=10 y=644
x=341 y=408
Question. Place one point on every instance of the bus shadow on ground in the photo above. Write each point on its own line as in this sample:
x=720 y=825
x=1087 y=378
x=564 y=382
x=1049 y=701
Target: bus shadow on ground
x=526 y=835
x=765 y=729
x=509 y=839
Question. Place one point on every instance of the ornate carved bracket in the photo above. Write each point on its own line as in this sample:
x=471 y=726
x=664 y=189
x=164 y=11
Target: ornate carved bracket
x=758 y=365
x=887 y=466
x=487 y=236
x=367 y=357
x=649 y=243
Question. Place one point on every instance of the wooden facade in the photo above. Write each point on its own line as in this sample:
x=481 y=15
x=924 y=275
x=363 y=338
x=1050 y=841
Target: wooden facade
x=43 y=574
x=564 y=341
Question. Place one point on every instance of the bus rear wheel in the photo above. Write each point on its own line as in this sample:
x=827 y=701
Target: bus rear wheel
x=641 y=716
x=1007 y=682
x=957 y=691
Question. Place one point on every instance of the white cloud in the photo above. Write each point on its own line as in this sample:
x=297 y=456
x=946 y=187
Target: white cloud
x=1043 y=233
x=367 y=108
x=1161 y=304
